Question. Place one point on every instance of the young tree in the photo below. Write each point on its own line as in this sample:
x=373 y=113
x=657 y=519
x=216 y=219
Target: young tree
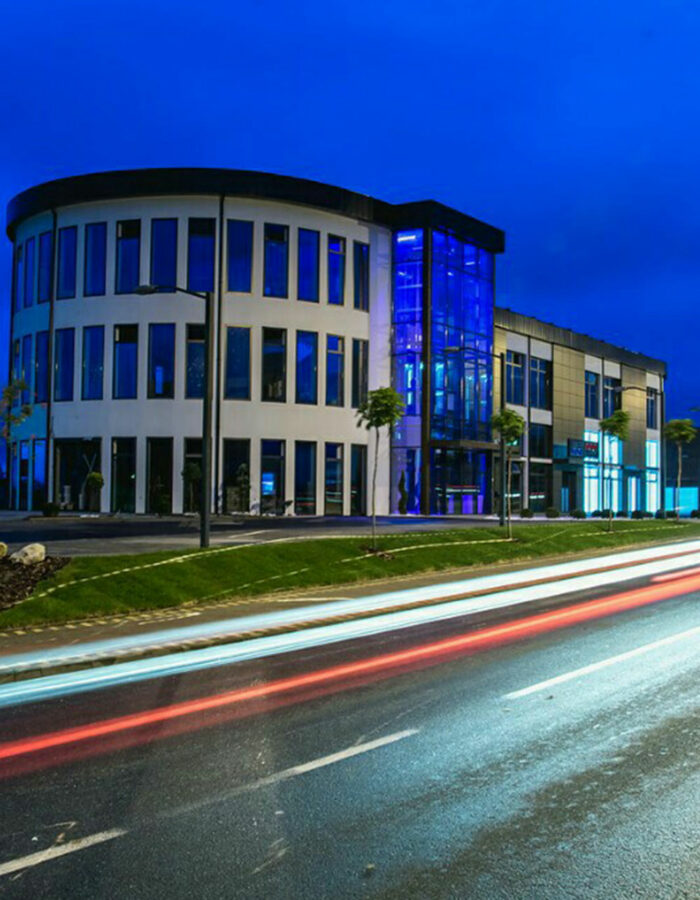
x=510 y=425
x=12 y=412
x=616 y=425
x=679 y=432
x=382 y=408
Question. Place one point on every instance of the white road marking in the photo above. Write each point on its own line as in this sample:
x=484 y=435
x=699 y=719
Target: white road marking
x=602 y=664
x=35 y=859
x=58 y=850
x=330 y=759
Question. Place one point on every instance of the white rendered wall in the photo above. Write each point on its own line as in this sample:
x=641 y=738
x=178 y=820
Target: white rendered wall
x=253 y=419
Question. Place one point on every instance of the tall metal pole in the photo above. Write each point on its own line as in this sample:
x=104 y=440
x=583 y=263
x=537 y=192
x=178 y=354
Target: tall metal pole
x=504 y=482
x=205 y=502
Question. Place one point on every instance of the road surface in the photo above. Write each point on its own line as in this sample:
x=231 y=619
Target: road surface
x=565 y=765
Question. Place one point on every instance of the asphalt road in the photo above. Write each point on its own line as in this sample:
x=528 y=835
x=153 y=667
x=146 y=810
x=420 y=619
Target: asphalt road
x=442 y=781
x=93 y=535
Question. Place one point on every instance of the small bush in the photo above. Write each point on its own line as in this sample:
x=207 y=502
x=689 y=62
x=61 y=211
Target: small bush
x=695 y=514
x=621 y=514
x=638 y=514
x=552 y=512
x=597 y=514
x=50 y=509
x=526 y=513
x=578 y=514
x=671 y=514
x=659 y=514
x=605 y=514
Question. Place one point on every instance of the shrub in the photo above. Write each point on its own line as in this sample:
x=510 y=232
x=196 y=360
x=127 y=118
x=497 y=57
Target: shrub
x=597 y=514
x=659 y=514
x=50 y=509
x=621 y=514
x=552 y=512
x=578 y=514
x=695 y=514
x=637 y=514
x=671 y=514
x=605 y=514
x=526 y=513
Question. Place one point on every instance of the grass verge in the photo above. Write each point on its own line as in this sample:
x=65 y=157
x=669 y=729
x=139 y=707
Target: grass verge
x=109 y=585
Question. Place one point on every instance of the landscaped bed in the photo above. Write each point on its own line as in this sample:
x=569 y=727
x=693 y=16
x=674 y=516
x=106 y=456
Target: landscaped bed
x=17 y=581
x=105 y=585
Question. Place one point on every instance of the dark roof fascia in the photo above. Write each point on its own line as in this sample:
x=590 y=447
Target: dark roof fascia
x=240 y=183
x=555 y=334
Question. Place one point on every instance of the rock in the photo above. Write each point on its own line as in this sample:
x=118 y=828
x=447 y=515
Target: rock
x=3 y=550
x=29 y=555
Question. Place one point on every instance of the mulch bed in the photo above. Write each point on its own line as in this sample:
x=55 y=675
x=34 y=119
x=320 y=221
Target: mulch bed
x=18 y=581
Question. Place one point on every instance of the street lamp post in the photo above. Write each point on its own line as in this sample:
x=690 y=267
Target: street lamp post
x=205 y=500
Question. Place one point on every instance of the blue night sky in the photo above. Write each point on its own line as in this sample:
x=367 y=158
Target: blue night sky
x=574 y=127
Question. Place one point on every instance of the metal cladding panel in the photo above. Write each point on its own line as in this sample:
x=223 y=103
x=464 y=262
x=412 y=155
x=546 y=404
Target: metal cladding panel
x=546 y=331
x=241 y=183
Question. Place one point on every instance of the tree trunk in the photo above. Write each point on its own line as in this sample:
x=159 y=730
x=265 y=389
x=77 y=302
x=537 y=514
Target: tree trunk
x=374 y=490
x=509 y=495
x=679 y=479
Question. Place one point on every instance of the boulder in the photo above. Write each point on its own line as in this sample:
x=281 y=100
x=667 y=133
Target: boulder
x=29 y=555
x=3 y=550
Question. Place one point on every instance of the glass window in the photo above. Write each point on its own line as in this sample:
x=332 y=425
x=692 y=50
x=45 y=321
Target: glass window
x=652 y=408
x=305 y=478
x=45 y=265
x=29 y=271
x=164 y=254
x=159 y=475
x=591 y=488
x=336 y=269
x=540 y=383
x=16 y=364
x=67 y=248
x=41 y=368
x=592 y=395
x=128 y=255
x=237 y=384
x=540 y=486
x=93 y=362
x=307 y=367
x=360 y=371
x=612 y=395
x=95 y=259
x=653 y=498
x=361 y=276
x=201 y=238
x=39 y=474
x=19 y=276
x=358 y=480
x=123 y=475
x=274 y=365
x=194 y=376
x=335 y=370
x=64 y=351
x=192 y=476
x=236 y=475
x=334 y=480
x=272 y=489
x=240 y=255
x=161 y=360
x=124 y=382
x=275 y=282
x=27 y=367
x=541 y=441
x=515 y=378
x=307 y=265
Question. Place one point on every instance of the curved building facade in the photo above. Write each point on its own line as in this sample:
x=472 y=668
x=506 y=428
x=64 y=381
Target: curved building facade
x=320 y=295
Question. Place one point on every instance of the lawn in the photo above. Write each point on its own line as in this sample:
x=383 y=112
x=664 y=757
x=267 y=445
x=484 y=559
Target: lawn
x=107 y=585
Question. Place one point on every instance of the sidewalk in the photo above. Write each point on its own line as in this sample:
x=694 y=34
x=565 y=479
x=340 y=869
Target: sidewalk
x=40 y=651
